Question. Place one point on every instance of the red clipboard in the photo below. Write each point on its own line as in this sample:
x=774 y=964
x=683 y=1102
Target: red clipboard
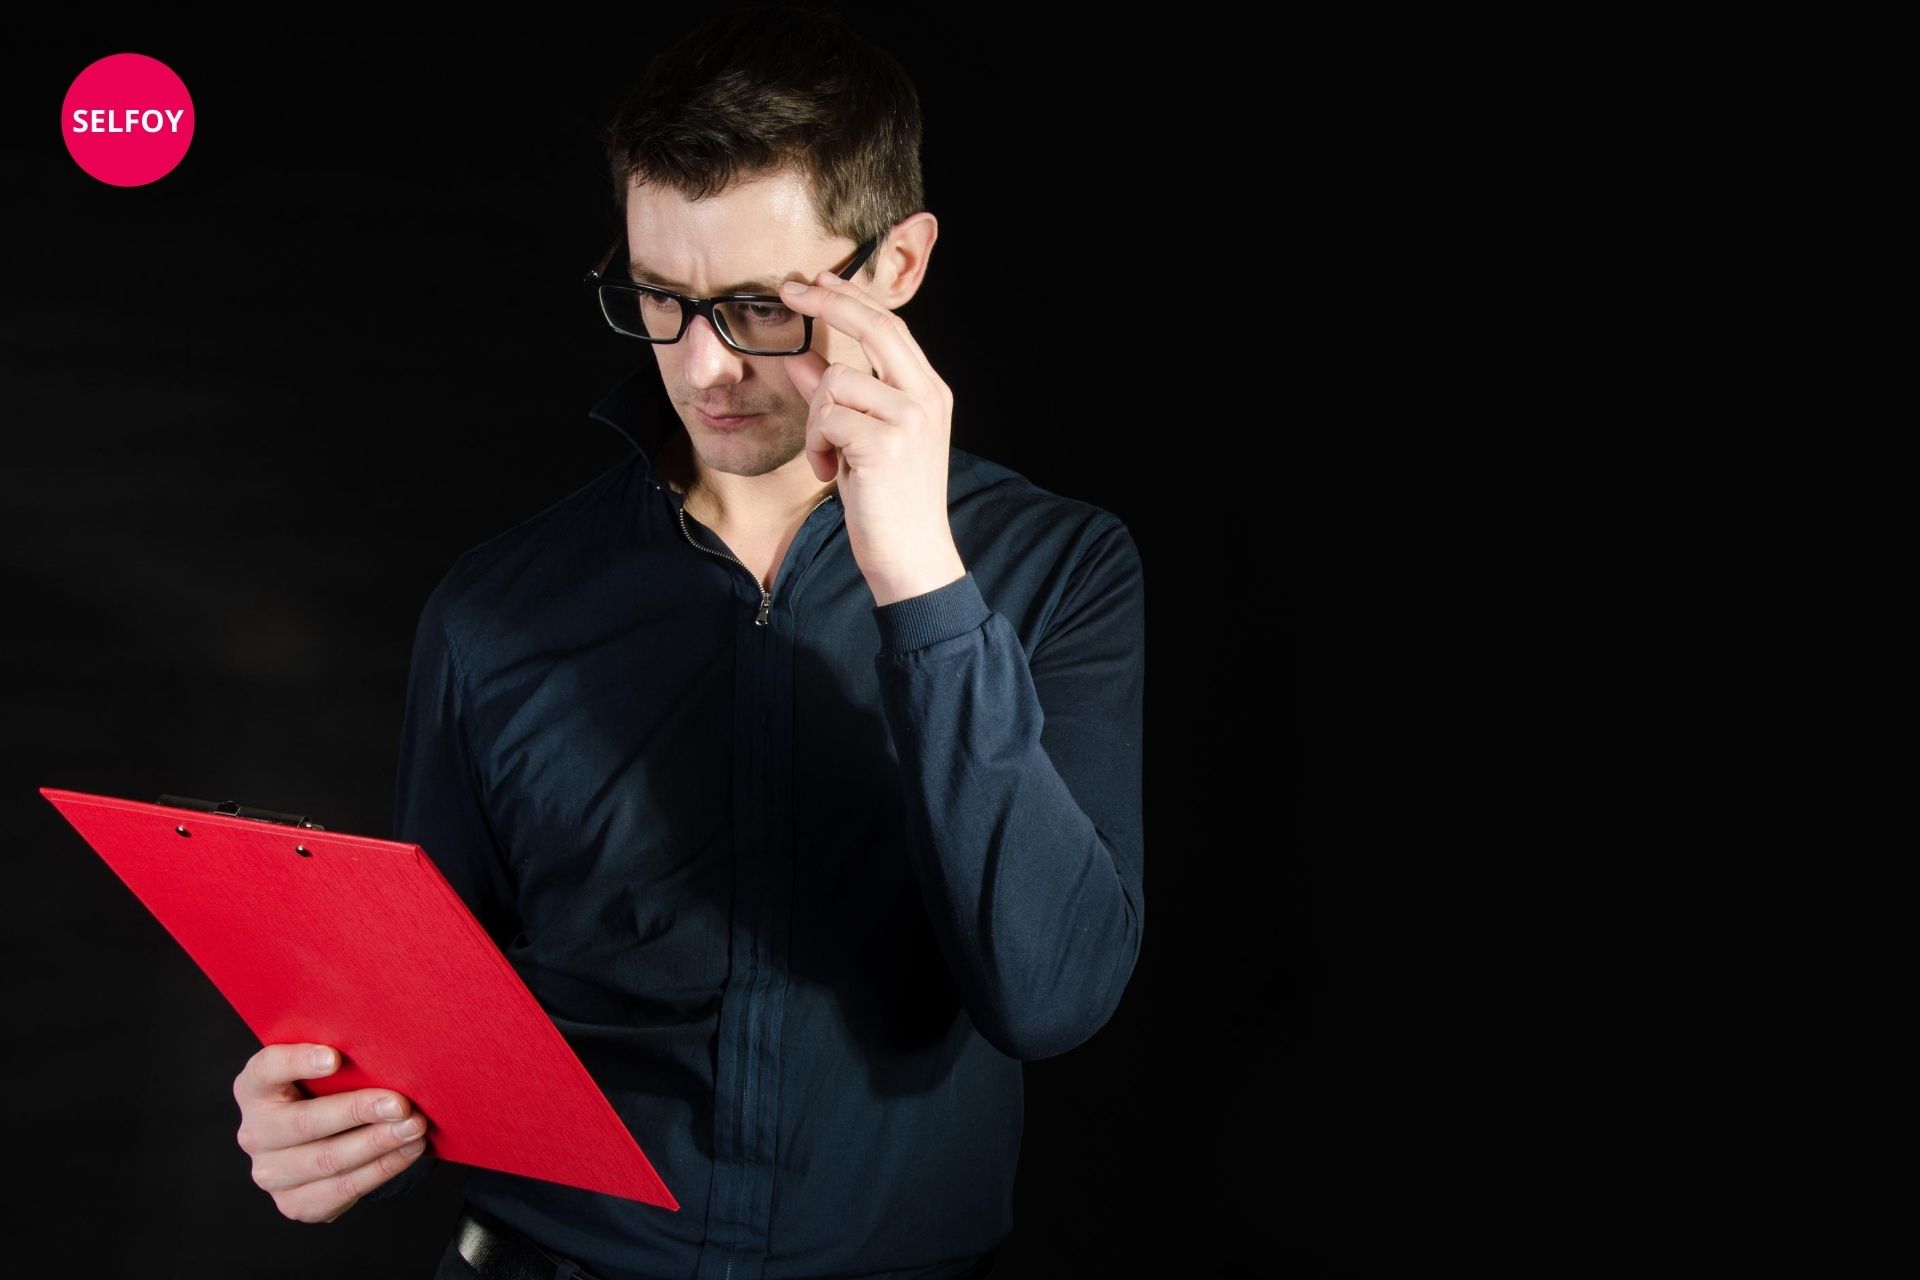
x=320 y=937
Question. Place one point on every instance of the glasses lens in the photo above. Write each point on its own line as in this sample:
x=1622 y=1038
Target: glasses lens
x=759 y=328
x=641 y=313
x=763 y=327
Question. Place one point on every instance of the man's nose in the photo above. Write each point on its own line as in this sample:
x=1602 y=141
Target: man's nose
x=709 y=360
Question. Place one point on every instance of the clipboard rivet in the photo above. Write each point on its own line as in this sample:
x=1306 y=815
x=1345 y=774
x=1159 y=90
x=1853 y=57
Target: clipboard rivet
x=302 y=851
x=182 y=831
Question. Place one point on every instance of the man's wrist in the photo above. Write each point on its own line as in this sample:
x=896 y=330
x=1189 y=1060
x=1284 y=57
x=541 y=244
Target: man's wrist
x=891 y=589
x=917 y=621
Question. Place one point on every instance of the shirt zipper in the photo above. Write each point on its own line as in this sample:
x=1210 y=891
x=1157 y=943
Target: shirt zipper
x=766 y=596
x=766 y=599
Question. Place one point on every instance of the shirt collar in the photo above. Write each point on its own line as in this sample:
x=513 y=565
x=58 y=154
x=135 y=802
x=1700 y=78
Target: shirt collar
x=637 y=408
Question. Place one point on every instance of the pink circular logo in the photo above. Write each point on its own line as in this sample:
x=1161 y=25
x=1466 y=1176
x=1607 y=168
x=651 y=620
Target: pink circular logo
x=127 y=119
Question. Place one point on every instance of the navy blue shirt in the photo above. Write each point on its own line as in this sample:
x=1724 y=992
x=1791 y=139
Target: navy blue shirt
x=802 y=879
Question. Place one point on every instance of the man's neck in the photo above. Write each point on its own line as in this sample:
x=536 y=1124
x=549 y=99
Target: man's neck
x=704 y=503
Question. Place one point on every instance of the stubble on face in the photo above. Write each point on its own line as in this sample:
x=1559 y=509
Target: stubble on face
x=775 y=438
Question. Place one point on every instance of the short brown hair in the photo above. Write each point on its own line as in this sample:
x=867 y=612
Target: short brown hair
x=767 y=87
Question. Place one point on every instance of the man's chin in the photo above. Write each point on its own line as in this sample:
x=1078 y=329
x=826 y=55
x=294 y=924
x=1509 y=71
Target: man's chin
x=752 y=450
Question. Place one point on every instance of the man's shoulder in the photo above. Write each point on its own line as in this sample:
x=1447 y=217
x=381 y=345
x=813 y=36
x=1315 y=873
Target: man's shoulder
x=1033 y=551
x=529 y=555
x=990 y=499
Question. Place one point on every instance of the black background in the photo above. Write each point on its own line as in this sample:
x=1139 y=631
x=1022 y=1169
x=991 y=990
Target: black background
x=256 y=408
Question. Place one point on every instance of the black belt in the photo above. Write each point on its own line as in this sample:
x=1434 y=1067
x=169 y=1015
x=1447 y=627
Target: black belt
x=498 y=1252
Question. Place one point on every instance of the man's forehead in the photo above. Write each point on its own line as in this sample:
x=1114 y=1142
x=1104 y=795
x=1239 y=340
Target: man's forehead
x=770 y=209
x=730 y=256
x=643 y=270
x=722 y=264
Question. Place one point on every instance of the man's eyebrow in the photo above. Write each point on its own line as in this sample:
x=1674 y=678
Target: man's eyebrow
x=766 y=284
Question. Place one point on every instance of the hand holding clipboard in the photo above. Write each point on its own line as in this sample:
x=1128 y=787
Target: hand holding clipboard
x=318 y=1156
x=359 y=944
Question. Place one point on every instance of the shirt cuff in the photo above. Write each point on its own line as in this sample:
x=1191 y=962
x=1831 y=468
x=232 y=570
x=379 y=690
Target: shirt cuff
x=932 y=616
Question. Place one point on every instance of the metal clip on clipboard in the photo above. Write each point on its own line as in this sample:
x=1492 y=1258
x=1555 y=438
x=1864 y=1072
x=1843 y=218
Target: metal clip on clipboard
x=234 y=809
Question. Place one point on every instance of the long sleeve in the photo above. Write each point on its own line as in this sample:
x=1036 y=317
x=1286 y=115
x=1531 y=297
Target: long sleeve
x=1023 y=781
x=437 y=805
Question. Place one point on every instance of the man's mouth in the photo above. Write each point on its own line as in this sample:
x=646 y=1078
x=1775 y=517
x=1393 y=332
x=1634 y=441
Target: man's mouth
x=722 y=421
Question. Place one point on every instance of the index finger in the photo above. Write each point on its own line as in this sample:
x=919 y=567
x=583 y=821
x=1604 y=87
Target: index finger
x=271 y=1073
x=275 y=1125
x=880 y=333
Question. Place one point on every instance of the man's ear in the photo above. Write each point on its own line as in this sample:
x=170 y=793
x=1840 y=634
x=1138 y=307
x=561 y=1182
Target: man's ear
x=903 y=259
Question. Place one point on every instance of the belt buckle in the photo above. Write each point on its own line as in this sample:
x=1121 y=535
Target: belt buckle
x=489 y=1247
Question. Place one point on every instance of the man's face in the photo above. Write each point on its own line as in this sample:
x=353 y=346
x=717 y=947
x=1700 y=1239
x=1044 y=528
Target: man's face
x=762 y=230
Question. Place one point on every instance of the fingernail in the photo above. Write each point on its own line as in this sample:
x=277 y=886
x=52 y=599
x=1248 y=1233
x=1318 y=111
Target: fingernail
x=413 y=1148
x=793 y=286
x=408 y=1128
x=322 y=1059
x=388 y=1108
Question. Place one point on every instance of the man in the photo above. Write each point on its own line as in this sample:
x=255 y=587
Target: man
x=795 y=761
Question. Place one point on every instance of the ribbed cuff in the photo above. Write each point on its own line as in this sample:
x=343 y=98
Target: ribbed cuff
x=932 y=616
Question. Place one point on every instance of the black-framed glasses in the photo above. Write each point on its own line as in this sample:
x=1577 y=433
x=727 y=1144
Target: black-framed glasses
x=754 y=324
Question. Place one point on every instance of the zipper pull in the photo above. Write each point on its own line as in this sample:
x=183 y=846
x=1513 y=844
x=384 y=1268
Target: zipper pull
x=766 y=598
